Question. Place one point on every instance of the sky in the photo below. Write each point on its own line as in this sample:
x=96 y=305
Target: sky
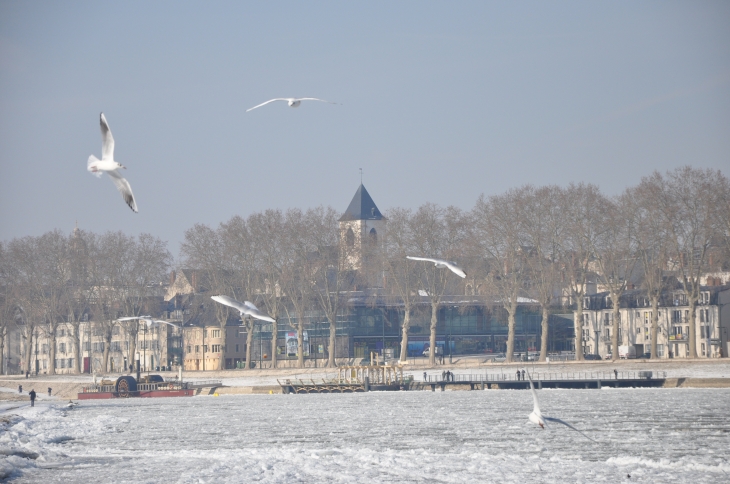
x=439 y=102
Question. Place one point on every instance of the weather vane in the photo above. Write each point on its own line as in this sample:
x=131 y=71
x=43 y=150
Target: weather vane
x=360 y=176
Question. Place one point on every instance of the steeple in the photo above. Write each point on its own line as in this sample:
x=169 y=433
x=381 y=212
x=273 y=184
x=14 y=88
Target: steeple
x=361 y=207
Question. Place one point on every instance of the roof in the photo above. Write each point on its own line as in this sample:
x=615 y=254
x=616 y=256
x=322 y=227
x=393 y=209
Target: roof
x=361 y=207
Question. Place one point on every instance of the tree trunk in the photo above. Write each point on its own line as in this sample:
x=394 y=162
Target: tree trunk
x=544 y=335
x=107 y=346
x=29 y=349
x=404 y=338
x=274 y=335
x=300 y=342
x=616 y=324
x=76 y=347
x=51 y=351
x=333 y=340
x=249 y=343
x=224 y=342
x=692 y=327
x=654 y=325
x=432 y=339
x=132 y=355
x=578 y=327
x=2 y=350
x=510 y=332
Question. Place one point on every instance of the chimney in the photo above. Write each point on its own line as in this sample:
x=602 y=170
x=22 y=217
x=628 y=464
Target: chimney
x=172 y=278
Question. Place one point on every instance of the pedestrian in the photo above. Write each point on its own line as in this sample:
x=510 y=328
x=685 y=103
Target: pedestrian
x=518 y=375
x=20 y=388
x=27 y=373
x=443 y=375
x=523 y=375
x=615 y=372
x=31 y=394
x=424 y=376
x=49 y=391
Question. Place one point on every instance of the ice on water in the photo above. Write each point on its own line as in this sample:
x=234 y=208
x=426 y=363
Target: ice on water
x=656 y=435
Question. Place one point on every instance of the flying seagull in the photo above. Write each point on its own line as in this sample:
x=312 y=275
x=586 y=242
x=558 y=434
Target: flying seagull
x=148 y=320
x=245 y=308
x=537 y=417
x=109 y=166
x=441 y=264
x=293 y=102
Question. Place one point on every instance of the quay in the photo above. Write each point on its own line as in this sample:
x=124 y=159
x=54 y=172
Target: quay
x=352 y=379
x=596 y=380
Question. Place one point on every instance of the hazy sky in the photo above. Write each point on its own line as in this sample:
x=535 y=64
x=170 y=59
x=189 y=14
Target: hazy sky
x=440 y=102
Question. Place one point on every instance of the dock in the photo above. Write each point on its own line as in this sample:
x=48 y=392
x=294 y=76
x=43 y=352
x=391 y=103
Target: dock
x=578 y=380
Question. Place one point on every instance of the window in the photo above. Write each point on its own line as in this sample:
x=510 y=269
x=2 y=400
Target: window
x=702 y=332
x=676 y=316
x=608 y=333
x=62 y=347
x=216 y=348
x=236 y=348
x=61 y=332
x=647 y=315
x=205 y=348
x=638 y=330
x=44 y=349
x=197 y=348
x=216 y=333
x=373 y=237
x=660 y=350
x=70 y=363
x=703 y=349
x=704 y=298
x=350 y=238
x=189 y=349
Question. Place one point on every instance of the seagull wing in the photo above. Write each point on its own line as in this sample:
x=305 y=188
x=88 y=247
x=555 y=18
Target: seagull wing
x=314 y=99
x=455 y=269
x=536 y=408
x=270 y=101
x=435 y=261
x=107 y=140
x=159 y=321
x=227 y=301
x=250 y=305
x=551 y=419
x=255 y=313
x=124 y=188
x=131 y=318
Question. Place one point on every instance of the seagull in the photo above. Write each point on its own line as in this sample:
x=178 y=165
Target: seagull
x=293 y=102
x=148 y=320
x=537 y=417
x=108 y=165
x=441 y=263
x=246 y=308
x=71 y=404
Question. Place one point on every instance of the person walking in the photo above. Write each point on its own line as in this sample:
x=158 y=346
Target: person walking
x=615 y=372
x=518 y=375
x=424 y=376
x=31 y=394
x=523 y=375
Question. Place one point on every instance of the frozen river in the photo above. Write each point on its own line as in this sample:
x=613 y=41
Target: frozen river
x=655 y=435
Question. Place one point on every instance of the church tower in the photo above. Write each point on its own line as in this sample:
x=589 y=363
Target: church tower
x=362 y=228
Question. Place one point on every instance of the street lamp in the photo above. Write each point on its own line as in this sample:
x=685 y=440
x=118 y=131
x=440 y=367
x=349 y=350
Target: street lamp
x=36 y=352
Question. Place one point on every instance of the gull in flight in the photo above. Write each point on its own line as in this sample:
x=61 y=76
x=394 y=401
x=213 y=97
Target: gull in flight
x=109 y=166
x=441 y=264
x=148 y=320
x=537 y=417
x=293 y=102
x=245 y=308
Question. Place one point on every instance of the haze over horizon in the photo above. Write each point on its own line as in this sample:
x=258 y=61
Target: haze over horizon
x=439 y=103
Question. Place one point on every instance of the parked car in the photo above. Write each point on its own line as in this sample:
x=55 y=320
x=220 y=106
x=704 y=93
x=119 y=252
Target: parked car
x=498 y=358
x=646 y=355
x=591 y=357
x=609 y=356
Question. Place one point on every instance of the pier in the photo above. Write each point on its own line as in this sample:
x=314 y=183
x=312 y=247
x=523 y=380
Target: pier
x=502 y=381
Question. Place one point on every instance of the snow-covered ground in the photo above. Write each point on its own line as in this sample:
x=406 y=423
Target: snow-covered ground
x=655 y=435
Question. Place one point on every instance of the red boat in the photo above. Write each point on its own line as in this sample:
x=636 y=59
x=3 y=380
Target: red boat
x=150 y=386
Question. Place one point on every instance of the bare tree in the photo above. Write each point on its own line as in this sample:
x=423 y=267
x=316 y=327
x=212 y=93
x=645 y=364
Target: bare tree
x=437 y=232
x=685 y=200
x=580 y=204
x=614 y=250
x=543 y=225
x=402 y=281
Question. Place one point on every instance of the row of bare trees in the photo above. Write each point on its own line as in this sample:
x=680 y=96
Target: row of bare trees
x=543 y=243
x=57 y=280
x=548 y=244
